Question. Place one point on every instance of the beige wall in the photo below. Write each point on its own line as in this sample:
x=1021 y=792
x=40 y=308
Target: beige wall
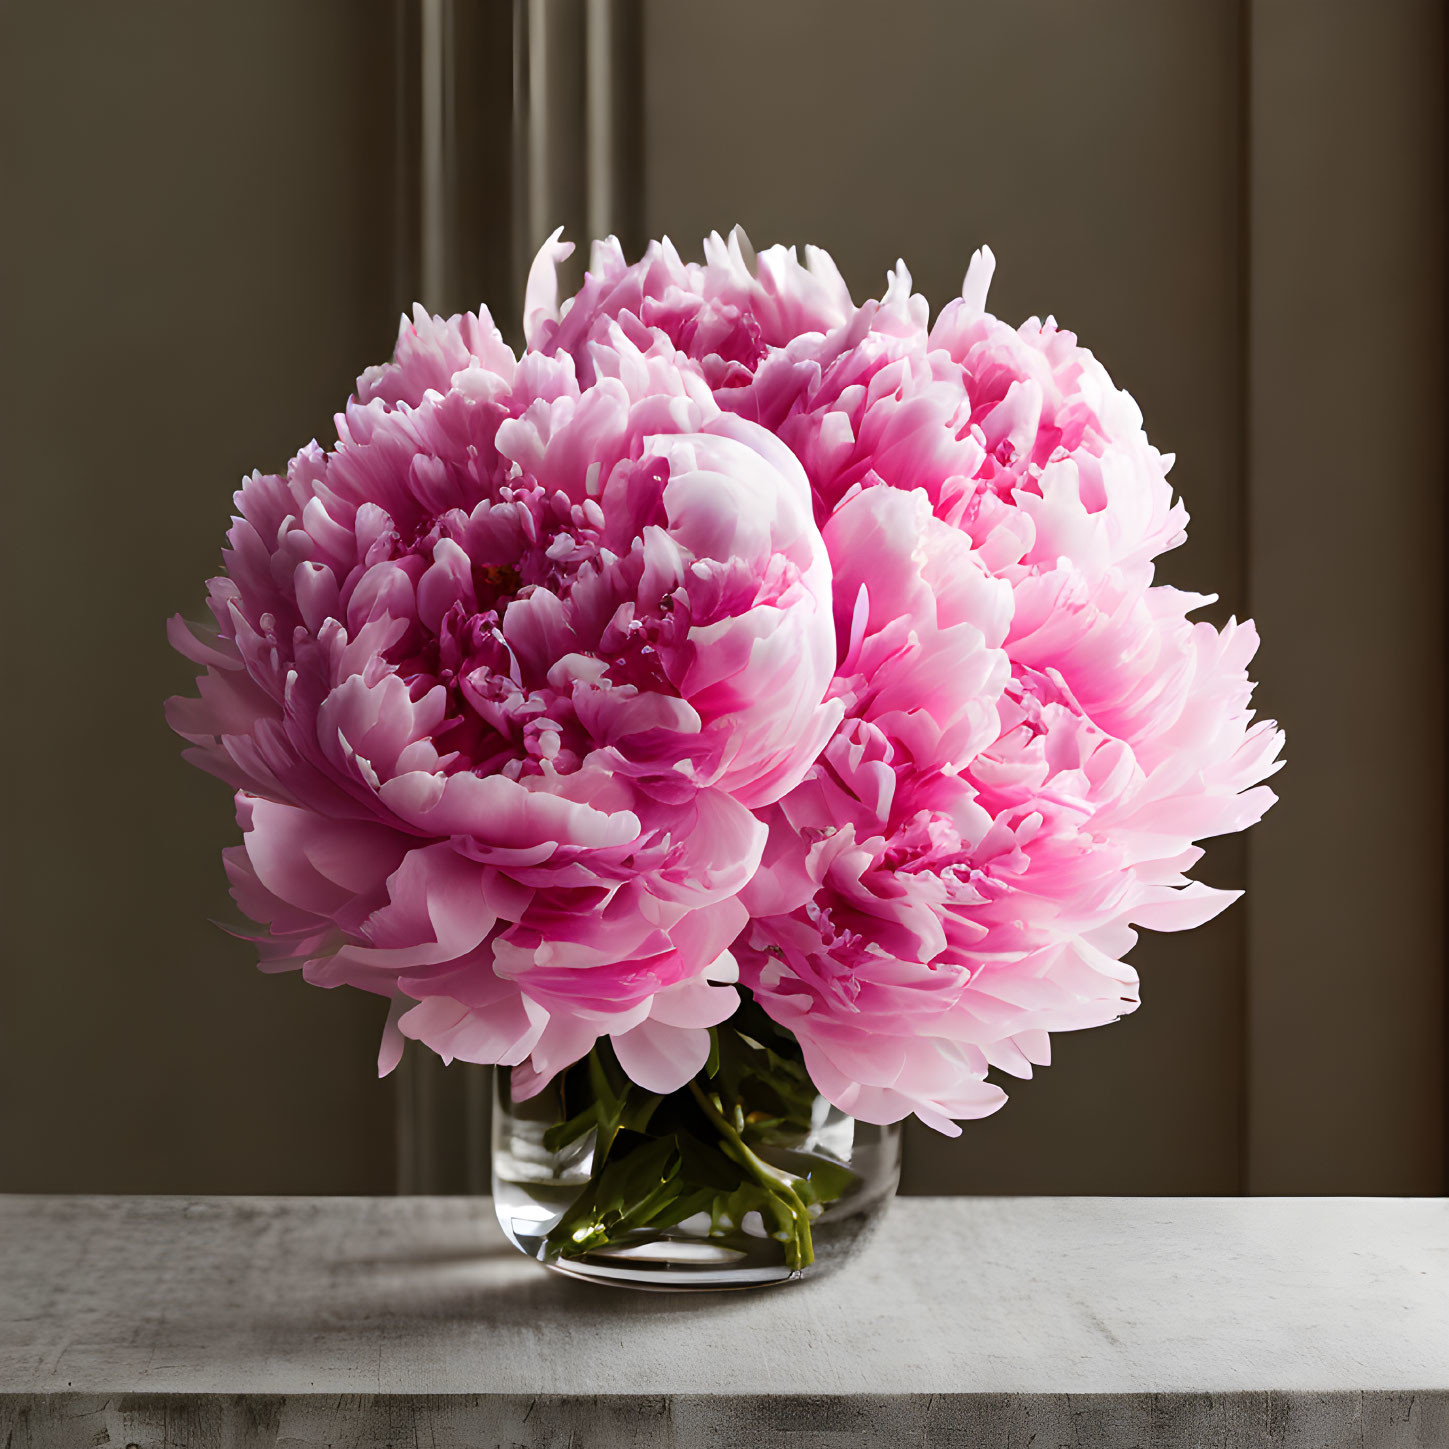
x=1239 y=207
x=1095 y=148
x=1346 y=1011
x=198 y=261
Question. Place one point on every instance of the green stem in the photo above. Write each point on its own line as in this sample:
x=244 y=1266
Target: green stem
x=800 y=1249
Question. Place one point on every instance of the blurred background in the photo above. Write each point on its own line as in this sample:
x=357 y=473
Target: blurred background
x=215 y=214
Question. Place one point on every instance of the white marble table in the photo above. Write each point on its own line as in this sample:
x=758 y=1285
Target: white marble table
x=1100 y=1322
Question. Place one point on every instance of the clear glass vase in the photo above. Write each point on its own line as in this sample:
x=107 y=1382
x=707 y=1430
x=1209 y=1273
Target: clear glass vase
x=744 y=1177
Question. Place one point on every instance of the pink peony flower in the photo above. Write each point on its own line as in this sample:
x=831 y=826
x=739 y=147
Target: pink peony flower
x=1034 y=734
x=499 y=678
x=733 y=628
x=726 y=315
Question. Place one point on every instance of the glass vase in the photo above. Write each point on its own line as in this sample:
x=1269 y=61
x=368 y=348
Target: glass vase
x=746 y=1176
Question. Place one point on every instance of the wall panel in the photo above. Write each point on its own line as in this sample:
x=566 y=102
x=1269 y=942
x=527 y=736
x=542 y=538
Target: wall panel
x=1097 y=149
x=1346 y=1023
x=199 y=247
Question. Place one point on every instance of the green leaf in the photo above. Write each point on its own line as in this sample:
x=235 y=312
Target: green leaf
x=638 y=1107
x=563 y=1134
x=714 y=1148
x=703 y=1163
x=631 y=1186
x=826 y=1181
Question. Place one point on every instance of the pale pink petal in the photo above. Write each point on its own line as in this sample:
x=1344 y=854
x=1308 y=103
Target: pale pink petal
x=660 y=1057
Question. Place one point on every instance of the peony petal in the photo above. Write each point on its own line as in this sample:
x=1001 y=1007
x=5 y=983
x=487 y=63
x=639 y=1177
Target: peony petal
x=659 y=1057
x=540 y=299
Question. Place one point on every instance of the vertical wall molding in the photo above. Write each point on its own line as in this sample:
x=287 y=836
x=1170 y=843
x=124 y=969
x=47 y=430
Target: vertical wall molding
x=578 y=126
x=1345 y=367
x=615 y=141
x=509 y=120
x=1242 y=583
x=453 y=168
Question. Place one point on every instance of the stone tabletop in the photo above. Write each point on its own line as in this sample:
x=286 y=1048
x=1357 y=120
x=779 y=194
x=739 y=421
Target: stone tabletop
x=1093 y=1321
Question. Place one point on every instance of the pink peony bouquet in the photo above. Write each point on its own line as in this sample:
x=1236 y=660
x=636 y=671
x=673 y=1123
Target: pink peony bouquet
x=732 y=640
